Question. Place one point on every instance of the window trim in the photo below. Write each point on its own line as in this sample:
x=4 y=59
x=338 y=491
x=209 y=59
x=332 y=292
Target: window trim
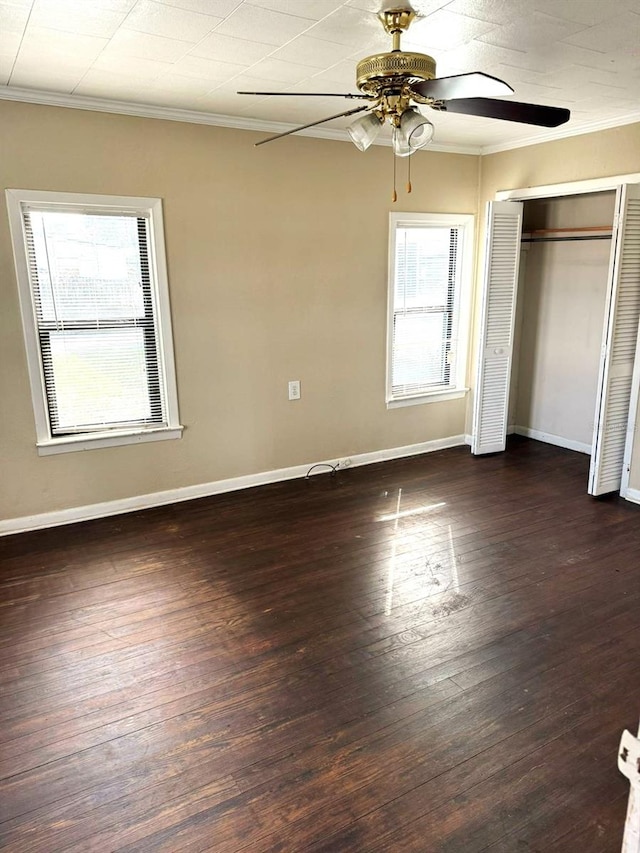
x=457 y=387
x=151 y=209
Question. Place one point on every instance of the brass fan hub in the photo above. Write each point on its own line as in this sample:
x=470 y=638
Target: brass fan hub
x=374 y=73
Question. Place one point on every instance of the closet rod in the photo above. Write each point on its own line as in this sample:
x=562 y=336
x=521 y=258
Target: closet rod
x=585 y=232
x=570 y=230
x=565 y=239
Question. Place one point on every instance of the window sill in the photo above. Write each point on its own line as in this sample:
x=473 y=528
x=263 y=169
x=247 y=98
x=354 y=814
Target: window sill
x=431 y=397
x=70 y=444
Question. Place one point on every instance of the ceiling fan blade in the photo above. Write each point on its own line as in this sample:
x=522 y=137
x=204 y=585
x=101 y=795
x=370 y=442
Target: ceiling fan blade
x=310 y=95
x=311 y=124
x=462 y=86
x=510 y=111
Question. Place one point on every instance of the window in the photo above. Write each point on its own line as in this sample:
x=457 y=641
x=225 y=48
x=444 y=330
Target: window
x=430 y=268
x=95 y=310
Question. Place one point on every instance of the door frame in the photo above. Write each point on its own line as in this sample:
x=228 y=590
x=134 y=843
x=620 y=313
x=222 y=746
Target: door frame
x=582 y=187
x=593 y=185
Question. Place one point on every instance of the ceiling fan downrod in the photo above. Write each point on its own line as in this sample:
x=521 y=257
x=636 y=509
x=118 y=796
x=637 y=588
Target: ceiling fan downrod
x=382 y=71
x=395 y=22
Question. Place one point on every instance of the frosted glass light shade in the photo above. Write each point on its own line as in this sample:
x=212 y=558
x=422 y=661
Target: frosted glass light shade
x=416 y=129
x=364 y=130
x=400 y=143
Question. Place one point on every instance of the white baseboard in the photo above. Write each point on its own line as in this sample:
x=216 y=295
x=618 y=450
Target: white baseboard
x=633 y=495
x=558 y=440
x=203 y=490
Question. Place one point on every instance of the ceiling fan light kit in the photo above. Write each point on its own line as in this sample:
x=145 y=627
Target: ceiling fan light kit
x=393 y=83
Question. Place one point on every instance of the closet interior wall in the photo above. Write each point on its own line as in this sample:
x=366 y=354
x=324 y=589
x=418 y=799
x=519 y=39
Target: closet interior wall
x=560 y=318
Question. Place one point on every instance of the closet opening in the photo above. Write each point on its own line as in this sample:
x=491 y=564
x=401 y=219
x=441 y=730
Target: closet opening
x=559 y=353
x=565 y=252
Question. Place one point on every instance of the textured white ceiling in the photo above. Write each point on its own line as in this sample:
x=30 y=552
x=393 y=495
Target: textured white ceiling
x=195 y=54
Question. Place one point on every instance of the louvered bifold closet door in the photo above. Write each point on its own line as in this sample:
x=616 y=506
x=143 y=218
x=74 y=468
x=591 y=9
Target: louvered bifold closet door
x=619 y=347
x=504 y=230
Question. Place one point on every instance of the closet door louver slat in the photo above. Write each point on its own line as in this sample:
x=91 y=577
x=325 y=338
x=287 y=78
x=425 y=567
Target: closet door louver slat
x=504 y=228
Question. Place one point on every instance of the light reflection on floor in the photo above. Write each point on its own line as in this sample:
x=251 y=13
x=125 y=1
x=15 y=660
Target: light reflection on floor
x=430 y=579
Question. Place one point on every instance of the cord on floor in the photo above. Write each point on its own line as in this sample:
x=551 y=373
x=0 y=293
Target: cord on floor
x=334 y=468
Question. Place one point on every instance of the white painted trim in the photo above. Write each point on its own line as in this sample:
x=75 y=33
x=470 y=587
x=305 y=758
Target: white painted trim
x=164 y=323
x=558 y=440
x=203 y=490
x=87 y=441
x=462 y=301
x=27 y=313
x=563 y=132
x=432 y=397
x=19 y=201
x=593 y=185
x=407 y=450
x=130 y=108
x=82 y=202
x=633 y=495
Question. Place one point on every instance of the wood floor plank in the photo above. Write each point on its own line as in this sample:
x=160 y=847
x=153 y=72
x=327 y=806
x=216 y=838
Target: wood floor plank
x=432 y=654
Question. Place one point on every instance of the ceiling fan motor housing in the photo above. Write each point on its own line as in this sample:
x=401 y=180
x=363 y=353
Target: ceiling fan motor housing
x=396 y=68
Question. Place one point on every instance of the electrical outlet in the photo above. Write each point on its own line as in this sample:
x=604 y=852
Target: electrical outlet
x=343 y=463
x=294 y=389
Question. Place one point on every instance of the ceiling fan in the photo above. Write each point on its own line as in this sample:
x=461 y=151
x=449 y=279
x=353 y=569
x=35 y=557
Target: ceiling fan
x=394 y=83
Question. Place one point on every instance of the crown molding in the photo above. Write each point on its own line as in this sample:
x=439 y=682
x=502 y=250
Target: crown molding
x=564 y=132
x=130 y=108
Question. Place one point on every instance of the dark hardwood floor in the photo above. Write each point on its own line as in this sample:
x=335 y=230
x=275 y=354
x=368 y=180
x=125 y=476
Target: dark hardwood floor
x=432 y=654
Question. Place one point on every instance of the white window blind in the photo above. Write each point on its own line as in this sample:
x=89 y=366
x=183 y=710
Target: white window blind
x=95 y=322
x=424 y=310
x=95 y=316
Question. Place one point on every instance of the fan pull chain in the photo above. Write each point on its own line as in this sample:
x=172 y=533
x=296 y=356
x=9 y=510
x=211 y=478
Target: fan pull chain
x=409 y=174
x=394 y=196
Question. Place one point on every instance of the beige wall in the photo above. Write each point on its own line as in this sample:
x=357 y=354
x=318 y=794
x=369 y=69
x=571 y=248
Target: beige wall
x=578 y=158
x=277 y=263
